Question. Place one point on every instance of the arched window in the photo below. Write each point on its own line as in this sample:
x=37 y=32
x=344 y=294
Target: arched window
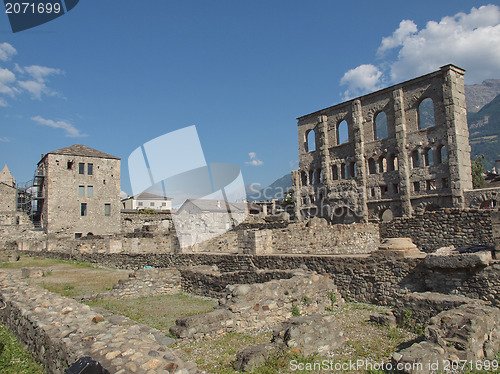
x=415 y=159
x=441 y=155
x=303 y=176
x=428 y=157
x=392 y=162
x=382 y=164
x=342 y=133
x=372 y=168
x=426 y=114
x=380 y=127
x=310 y=141
x=386 y=215
x=335 y=172
x=352 y=170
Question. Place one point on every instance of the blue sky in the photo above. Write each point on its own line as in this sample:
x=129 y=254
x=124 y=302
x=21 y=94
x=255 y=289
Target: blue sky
x=114 y=74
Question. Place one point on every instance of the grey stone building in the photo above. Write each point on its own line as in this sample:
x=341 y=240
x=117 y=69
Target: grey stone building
x=77 y=192
x=388 y=153
x=8 y=192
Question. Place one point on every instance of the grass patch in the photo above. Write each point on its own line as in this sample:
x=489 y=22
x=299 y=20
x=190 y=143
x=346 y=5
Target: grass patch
x=159 y=312
x=14 y=359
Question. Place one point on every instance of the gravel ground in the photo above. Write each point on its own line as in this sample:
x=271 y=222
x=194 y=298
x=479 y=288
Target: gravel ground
x=365 y=341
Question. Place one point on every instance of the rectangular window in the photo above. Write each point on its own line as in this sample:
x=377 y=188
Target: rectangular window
x=431 y=185
x=107 y=210
x=163 y=204
x=70 y=165
x=83 y=209
x=416 y=186
x=373 y=192
x=139 y=203
x=395 y=188
x=383 y=190
x=81 y=190
x=90 y=190
x=78 y=235
x=151 y=204
x=81 y=168
x=90 y=169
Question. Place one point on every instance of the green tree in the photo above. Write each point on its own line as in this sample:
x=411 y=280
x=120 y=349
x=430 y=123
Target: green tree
x=478 y=172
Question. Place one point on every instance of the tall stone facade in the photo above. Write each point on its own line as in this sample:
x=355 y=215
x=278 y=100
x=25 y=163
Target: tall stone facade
x=8 y=192
x=77 y=190
x=389 y=153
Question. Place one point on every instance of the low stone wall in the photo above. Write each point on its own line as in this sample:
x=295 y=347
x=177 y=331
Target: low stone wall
x=442 y=228
x=159 y=223
x=59 y=331
x=213 y=284
x=372 y=279
x=143 y=283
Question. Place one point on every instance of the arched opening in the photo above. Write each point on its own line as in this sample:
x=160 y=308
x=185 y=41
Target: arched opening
x=392 y=163
x=342 y=133
x=310 y=141
x=441 y=154
x=386 y=215
x=382 y=164
x=415 y=159
x=303 y=176
x=320 y=176
x=352 y=170
x=343 y=170
x=380 y=127
x=432 y=208
x=311 y=177
x=428 y=157
x=488 y=204
x=335 y=172
x=426 y=114
x=372 y=168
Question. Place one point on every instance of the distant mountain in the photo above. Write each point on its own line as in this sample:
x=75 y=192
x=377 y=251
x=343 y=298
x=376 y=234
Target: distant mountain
x=478 y=95
x=275 y=190
x=484 y=132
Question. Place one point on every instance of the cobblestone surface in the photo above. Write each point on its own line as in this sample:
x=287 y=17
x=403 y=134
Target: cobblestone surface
x=59 y=331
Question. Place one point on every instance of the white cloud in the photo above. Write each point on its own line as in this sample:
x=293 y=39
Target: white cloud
x=6 y=51
x=70 y=130
x=254 y=161
x=360 y=80
x=405 y=29
x=469 y=40
x=7 y=78
x=3 y=139
x=37 y=86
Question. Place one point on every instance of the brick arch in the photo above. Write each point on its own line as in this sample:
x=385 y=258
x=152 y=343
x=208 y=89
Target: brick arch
x=426 y=205
x=477 y=201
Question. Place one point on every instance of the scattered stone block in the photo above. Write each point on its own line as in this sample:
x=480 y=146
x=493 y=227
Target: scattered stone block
x=251 y=357
x=384 y=319
x=458 y=260
x=32 y=272
x=309 y=334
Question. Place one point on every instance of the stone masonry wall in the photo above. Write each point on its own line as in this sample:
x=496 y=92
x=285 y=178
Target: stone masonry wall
x=373 y=279
x=59 y=331
x=442 y=228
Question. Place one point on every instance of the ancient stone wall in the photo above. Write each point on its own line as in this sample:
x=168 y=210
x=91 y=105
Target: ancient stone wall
x=159 y=223
x=8 y=197
x=58 y=331
x=387 y=153
x=445 y=227
x=372 y=279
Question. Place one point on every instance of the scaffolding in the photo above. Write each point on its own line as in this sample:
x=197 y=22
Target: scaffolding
x=31 y=197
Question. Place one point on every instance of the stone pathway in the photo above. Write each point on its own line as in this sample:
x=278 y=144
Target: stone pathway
x=59 y=331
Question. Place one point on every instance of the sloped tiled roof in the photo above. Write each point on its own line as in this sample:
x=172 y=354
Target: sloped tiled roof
x=82 y=150
x=150 y=196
